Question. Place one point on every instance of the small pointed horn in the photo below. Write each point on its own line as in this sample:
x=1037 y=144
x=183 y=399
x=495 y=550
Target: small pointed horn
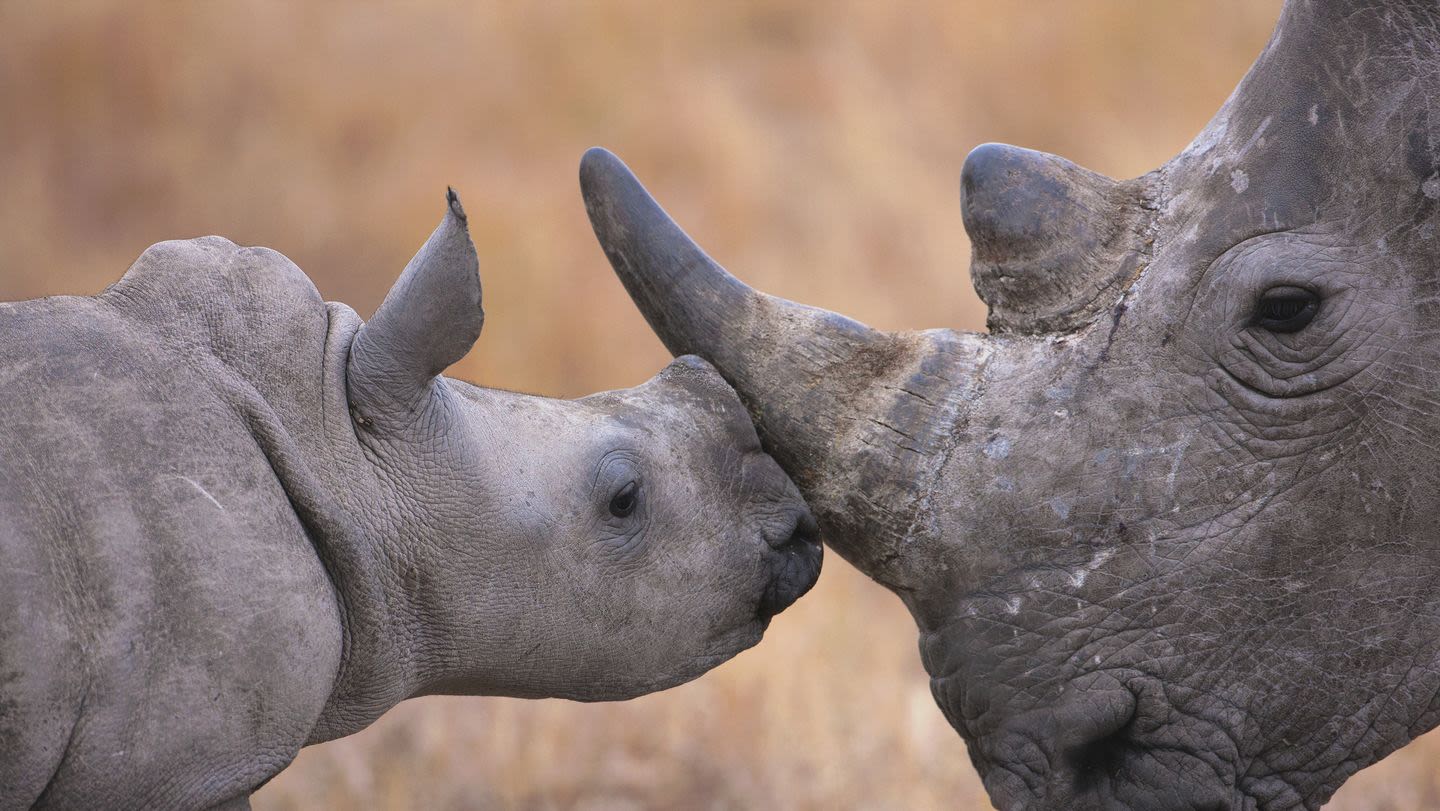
x=1053 y=244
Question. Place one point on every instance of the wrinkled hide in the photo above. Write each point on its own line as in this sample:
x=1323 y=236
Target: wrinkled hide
x=234 y=520
x=1168 y=531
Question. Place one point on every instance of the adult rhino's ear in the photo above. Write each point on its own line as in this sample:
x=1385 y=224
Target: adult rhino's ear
x=428 y=321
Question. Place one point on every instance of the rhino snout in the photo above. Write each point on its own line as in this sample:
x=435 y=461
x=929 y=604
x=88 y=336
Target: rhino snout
x=793 y=559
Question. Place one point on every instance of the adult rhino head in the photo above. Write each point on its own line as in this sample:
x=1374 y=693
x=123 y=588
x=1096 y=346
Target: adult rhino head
x=1169 y=530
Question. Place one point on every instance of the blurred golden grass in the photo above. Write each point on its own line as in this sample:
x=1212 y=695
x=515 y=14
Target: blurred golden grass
x=813 y=149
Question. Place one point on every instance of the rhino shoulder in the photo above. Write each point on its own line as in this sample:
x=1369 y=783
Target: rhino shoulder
x=249 y=307
x=211 y=285
x=213 y=258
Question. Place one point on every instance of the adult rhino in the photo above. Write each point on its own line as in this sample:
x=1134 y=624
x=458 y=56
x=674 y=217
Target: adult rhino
x=235 y=520
x=1169 y=531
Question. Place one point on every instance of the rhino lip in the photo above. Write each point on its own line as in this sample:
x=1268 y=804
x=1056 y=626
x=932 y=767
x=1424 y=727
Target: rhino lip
x=793 y=564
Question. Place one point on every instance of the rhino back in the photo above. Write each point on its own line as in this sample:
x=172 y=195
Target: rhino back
x=168 y=635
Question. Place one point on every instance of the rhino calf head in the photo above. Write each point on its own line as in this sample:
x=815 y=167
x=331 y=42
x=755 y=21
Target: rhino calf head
x=594 y=549
x=1168 y=531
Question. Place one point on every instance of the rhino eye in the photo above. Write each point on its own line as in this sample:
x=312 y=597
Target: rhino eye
x=1285 y=309
x=623 y=503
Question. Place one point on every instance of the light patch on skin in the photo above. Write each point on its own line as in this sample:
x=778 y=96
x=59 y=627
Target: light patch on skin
x=1078 y=577
x=1061 y=507
x=1314 y=114
x=1255 y=138
x=1239 y=181
x=203 y=491
x=997 y=448
x=1179 y=454
x=1431 y=186
x=1059 y=392
x=1209 y=138
x=1012 y=606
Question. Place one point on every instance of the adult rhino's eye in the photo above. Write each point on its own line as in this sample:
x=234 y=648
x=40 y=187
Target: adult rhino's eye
x=1285 y=309
x=623 y=503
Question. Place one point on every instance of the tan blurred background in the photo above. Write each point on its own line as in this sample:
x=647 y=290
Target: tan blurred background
x=814 y=149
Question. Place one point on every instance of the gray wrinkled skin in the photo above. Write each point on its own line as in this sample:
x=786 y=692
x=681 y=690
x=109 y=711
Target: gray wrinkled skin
x=1161 y=554
x=235 y=520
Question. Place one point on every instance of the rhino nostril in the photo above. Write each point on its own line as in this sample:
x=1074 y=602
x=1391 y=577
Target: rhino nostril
x=1099 y=759
x=1104 y=752
x=805 y=531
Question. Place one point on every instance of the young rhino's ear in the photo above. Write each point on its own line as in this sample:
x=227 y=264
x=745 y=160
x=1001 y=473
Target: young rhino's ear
x=428 y=320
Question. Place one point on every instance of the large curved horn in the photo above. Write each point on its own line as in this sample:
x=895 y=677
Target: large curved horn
x=860 y=418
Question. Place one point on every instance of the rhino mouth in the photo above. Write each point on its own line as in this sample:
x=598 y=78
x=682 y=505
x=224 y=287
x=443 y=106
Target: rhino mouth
x=793 y=565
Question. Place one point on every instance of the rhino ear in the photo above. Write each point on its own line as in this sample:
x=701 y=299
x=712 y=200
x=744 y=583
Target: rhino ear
x=428 y=321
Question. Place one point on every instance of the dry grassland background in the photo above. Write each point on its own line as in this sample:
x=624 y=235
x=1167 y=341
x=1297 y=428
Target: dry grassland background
x=813 y=148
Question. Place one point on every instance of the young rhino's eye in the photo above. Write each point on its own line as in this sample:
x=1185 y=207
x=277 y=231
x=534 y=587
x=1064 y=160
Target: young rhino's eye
x=623 y=503
x=1285 y=309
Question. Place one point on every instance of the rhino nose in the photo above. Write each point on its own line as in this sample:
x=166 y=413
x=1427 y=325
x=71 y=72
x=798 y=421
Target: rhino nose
x=804 y=531
x=794 y=562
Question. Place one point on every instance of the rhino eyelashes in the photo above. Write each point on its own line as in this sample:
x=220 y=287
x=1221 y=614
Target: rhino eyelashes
x=1286 y=309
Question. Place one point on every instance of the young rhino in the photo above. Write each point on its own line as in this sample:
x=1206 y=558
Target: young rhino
x=235 y=520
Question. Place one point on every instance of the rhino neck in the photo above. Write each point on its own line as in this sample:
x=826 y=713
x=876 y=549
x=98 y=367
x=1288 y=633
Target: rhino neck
x=334 y=490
